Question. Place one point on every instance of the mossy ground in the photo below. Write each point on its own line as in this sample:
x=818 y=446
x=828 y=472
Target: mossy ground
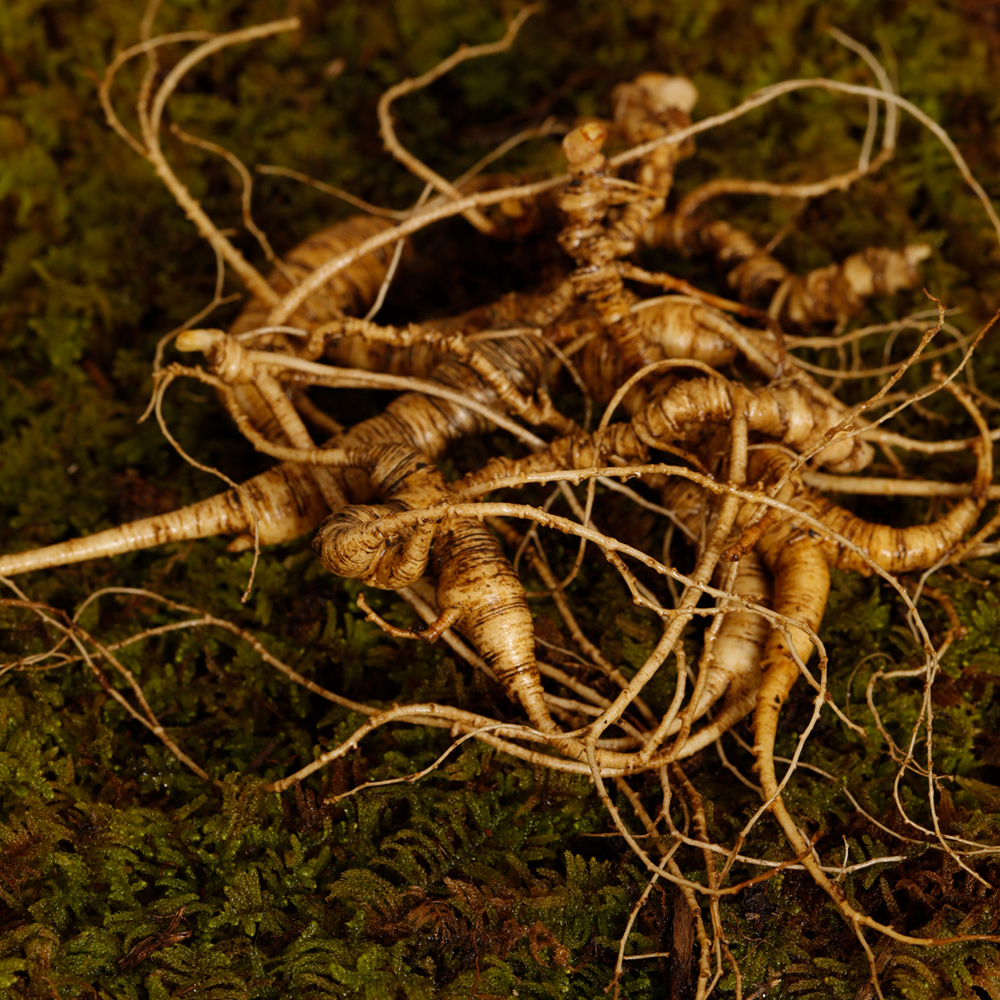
x=486 y=878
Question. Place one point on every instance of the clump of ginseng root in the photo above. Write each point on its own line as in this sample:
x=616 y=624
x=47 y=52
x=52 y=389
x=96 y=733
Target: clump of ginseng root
x=721 y=419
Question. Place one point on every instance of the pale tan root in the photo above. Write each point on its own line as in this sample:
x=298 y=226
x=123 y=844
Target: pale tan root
x=731 y=660
x=285 y=504
x=597 y=247
x=669 y=869
x=379 y=544
x=670 y=327
x=788 y=414
x=736 y=654
x=799 y=561
x=350 y=291
x=478 y=593
x=541 y=567
x=612 y=762
x=944 y=535
x=150 y=115
x=653 y=106
x=826 y=295
x=284 y=500
x=353 y=290
x=801 y=586
x=718 y=530
x=295 y=431
x=455 y=345
x=396 y=148
x=897 y=550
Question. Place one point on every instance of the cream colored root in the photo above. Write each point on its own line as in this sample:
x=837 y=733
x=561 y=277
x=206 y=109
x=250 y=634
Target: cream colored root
x=787 y=413
x=718 y=531
x=154 y=153
x=611 y=762
x=671 y=326
x=774 y=690
x=365 y=206
x=541 y=567
x=733 y=668
x=669 y=869
x=799 y=565
x=294 y=299
x=353 y=290
x=396 y=148
x=417 y=417
x=246 y=192
x=442 y=344
x=896 y=550
x=286 y=503
x=694 y=200
x=478 y=592
x=840 y=182
x=768 y=94
x=883 y=487
x=147 y=46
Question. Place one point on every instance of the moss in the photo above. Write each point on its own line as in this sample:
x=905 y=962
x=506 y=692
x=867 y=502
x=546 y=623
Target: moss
x=120 y=875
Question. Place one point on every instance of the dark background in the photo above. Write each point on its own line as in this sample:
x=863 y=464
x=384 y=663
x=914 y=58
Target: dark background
x=487 y=876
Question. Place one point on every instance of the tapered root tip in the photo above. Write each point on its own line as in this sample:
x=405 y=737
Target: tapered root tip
x=198 y=340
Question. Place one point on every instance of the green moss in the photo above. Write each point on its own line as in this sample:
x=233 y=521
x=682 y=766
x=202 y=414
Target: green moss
x=488 y=876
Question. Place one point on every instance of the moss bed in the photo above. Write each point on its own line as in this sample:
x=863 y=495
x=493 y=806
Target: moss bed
x=122 y=874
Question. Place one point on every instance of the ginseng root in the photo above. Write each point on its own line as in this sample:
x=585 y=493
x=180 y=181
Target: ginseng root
x=281 y=504
x=798 y=558
x=287 y=503
x=685 y=412
x=391 y=516
x=477 y=590
x=831 y=294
